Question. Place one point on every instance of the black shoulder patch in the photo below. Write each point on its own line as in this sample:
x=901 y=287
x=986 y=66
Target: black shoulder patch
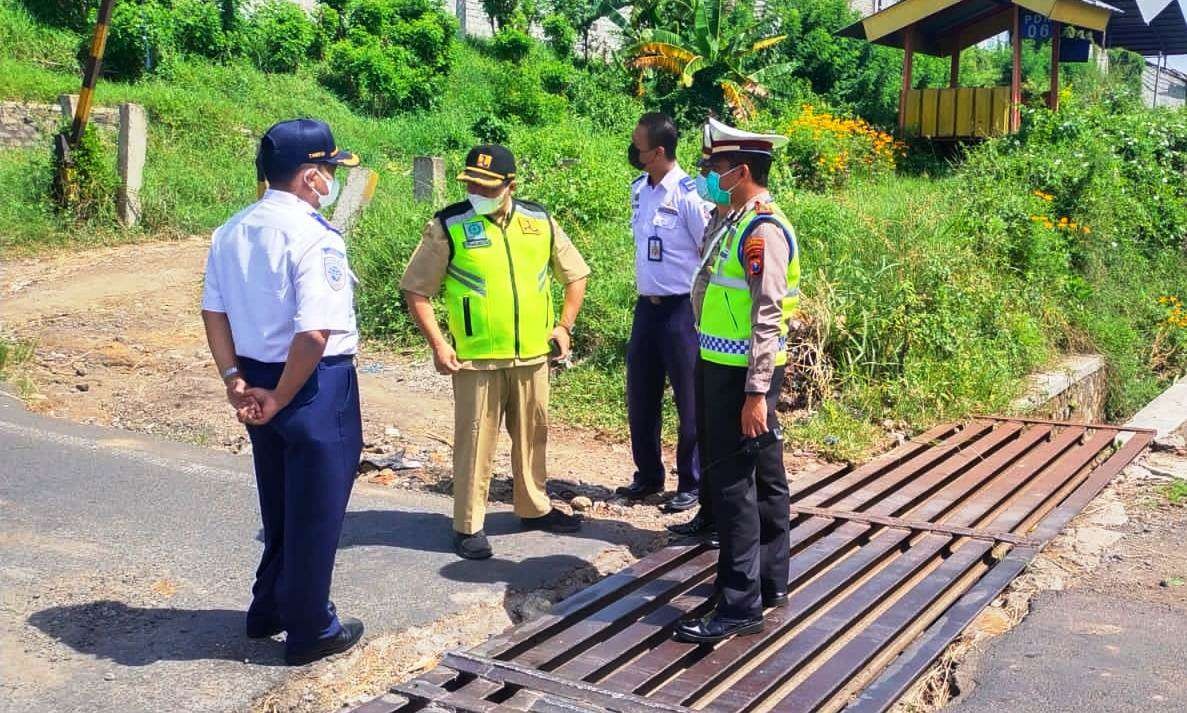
x=640 y=177
x=451 y=210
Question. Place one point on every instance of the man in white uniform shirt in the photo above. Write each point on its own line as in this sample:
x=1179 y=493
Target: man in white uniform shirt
x=668 y=221
x=278 y=307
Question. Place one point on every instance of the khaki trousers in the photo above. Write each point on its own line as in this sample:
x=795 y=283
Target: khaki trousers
x=482 y=400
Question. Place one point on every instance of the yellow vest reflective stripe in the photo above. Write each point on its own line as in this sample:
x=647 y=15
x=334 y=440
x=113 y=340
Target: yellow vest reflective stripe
x=498 y=286
x=724 y=328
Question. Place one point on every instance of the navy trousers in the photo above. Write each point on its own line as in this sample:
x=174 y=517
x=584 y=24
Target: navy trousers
x=663 y=345
x=306 y=458
x=750 y=495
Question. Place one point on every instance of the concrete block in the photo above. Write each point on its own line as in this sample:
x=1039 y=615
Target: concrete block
x=1073 y=390
x=357 y=191
x=1166 y=414
x=69 y=104
x=132 y=150
x=428 y=179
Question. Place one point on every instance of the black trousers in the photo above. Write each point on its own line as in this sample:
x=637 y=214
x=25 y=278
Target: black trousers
x=749 y=493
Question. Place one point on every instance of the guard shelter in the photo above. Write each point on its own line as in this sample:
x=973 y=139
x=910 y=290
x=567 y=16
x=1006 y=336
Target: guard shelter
x=943 y=28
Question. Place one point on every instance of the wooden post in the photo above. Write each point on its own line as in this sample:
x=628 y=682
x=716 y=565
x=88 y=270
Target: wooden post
x=908 y=58
x=1056 y=37
x=1016 y=72
x=954 y=78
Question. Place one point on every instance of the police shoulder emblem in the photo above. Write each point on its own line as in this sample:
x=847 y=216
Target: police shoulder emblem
x=475 y=234
x=334 y=263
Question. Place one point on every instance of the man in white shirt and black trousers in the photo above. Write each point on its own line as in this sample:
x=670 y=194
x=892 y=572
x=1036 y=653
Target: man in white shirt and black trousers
x=668 y=220
x=278 y=307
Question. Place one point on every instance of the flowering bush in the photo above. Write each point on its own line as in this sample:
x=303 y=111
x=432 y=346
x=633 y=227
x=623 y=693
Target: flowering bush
x=824 y=150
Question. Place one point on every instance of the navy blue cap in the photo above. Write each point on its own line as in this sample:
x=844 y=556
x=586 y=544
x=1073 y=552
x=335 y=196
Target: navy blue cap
x=290 y=143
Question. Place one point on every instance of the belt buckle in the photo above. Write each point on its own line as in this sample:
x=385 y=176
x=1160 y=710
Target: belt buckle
x=654 y=300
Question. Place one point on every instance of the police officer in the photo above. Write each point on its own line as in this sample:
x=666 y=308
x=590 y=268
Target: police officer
x=668 y=221
x=278 y=307
x=496 y=255
x=743 y=325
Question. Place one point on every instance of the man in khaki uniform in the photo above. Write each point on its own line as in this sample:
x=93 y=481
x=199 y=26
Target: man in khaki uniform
x=495 y=256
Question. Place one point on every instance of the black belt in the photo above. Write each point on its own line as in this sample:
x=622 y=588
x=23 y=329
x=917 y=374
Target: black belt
x=663 y=299
x=328 y=361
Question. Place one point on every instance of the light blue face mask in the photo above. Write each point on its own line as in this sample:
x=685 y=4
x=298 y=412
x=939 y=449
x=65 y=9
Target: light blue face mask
x=709 y=187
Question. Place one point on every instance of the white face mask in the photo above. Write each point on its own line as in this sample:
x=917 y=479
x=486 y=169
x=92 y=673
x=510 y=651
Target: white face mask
x=325 y=200
x=485 y=206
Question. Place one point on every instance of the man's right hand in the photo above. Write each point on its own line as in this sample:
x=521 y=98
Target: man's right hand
x=445 y=359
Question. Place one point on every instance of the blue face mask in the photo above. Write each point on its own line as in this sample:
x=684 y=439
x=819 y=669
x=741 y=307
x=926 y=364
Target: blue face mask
x=709 y=187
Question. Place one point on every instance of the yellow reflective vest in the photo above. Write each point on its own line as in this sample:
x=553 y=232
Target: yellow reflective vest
x=498 y=285
x=724 y=327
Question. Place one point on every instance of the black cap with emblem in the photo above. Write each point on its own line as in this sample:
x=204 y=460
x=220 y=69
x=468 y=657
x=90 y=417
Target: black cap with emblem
x=488 y=165
x=288 y=144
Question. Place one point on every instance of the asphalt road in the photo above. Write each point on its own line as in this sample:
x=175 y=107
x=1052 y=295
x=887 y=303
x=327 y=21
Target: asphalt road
x=1080 y=652
x=126 y=563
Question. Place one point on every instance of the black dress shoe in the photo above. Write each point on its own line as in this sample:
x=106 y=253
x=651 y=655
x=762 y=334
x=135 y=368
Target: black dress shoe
x=774 y=601
x=699 y=524
x=681 y=502
x=472 y=547
x=638 y=491
x=352 y=631
x=714 y=628
x=554 y=521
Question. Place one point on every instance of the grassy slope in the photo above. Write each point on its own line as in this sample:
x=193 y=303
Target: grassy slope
x=921 y=317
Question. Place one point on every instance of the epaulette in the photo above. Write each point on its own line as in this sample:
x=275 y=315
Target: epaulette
x=763 y=209
x=324 y=223
x=639 y=178
x=688 y=184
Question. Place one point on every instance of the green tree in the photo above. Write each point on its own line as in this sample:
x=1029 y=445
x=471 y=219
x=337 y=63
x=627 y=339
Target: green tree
x=720 y=55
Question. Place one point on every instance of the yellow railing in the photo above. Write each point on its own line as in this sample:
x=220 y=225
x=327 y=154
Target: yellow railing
x=957 y=112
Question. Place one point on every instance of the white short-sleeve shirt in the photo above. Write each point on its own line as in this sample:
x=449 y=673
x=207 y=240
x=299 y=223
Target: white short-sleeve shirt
x=668 y=221
x=278 y=268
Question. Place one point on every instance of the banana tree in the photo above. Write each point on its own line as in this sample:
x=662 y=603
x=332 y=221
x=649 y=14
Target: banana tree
x=718 y=49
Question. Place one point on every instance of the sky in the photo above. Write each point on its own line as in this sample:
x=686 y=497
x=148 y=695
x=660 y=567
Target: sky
x=1178 y=61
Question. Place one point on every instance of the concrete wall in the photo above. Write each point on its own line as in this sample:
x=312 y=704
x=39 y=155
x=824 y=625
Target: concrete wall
x=1074 y=390
x=1171 y=89
x=28 y=125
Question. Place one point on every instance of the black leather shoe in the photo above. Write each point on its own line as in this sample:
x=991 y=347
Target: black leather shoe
x=352 y=631
x=554 y=521
x=472 y=547
x=699 y=524
x=713 y=628
x=638 y=491
x=774 y=601
x=681 y=502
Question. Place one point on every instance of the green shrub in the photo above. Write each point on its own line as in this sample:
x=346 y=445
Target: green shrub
x=277 y=36
x=140 y=40
x=329 y=30
x=511 y=44
x=519 y=94
x=600 y=94
x=560 y=34
x=65 y=14
x=394 y=56
x=827 y=151
x=490 y=129
x=198 y=28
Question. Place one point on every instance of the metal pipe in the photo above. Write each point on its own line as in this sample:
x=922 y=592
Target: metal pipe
x=91 y=76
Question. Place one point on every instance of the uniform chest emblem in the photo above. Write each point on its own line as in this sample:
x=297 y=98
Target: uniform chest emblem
x=475 y=235
x=528 y=227
x=334 y=263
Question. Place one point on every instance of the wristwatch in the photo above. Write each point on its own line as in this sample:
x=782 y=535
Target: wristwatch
x=567 y=327
x=230 y=371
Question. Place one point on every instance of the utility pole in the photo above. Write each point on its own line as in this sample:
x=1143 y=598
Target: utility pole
x=65 y=188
